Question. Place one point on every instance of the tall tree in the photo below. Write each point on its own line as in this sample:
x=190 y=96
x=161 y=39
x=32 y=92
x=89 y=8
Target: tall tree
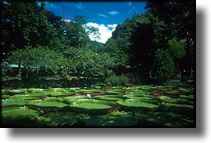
x=25 y=24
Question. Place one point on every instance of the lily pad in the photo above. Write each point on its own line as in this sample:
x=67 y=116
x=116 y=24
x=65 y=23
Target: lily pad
x=14 y=91
x=47 y=104
x=137 y=96
x=20 y=112
x=135 y=103
x=186 y=90
x=139 y=92
x=53 y=99
x=167 y=99
x=89 y=91
x=110 y=97
x=21 y=117
x=179 y=106
x=28 y=96
x=61 y=93
x=13 y=102
x=72 y=99
x=190 y=97
x=92 y=106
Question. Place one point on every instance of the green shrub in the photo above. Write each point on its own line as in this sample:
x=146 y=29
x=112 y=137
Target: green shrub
x=116 y=80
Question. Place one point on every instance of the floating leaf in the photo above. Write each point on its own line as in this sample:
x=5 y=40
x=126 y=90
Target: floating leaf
x=20 y=112
x=89 y=91
x=179 y=106
x=137 y=103
x=110 y=97
x=28 y=96
x=92 y=104
x=13 y=102
x=71 y=99
x=60 y=93
x=47 y=104
x=167 y=99
x=14 y=91
x=53 y=99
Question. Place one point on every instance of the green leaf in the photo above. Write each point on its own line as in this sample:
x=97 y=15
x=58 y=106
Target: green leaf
x=137 y=103
x=14 y=102
x=47 y=104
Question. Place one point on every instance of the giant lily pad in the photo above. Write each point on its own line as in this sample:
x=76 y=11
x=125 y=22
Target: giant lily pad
x=61 y=92
x=20 y=112
x=72 y=99
x=186 y=90
x=179 y=106
x=21 y=117
x=53 y=99
x=189 y=97
x=28 y=96
x=92 y=105
x=135 y=103
x=137 y=96
x=89 y=91
x=14 y=91
x=36 y=90
x=139 y=92
x=110 y=97
x=47 y=104
x=167 y=99
x=13 y=102
x=142 y=97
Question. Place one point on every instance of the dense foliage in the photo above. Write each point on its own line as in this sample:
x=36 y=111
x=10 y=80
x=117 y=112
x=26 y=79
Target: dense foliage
x=153 y=47
x=158 y=45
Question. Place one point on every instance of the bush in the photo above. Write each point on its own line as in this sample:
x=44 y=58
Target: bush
x=116 y=80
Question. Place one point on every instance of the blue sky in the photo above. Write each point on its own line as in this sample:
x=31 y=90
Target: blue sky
x=104 y=15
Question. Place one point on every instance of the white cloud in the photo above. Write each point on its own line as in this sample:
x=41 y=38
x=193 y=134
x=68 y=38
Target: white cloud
x=66 y=20
x=113 y=12
x=104 y=30
x=102 y=15
x=113 y=26
x=80 y=6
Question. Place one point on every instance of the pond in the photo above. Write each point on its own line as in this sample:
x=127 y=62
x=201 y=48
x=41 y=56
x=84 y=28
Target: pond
x=134 y=106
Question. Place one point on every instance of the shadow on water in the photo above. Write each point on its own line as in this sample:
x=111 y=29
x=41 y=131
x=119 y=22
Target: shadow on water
x=140 y=132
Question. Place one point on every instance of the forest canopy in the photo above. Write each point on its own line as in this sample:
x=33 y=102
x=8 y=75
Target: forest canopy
x=153 y=47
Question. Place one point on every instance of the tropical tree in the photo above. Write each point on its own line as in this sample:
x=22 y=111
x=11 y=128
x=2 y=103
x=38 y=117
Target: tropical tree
x=33 y=61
